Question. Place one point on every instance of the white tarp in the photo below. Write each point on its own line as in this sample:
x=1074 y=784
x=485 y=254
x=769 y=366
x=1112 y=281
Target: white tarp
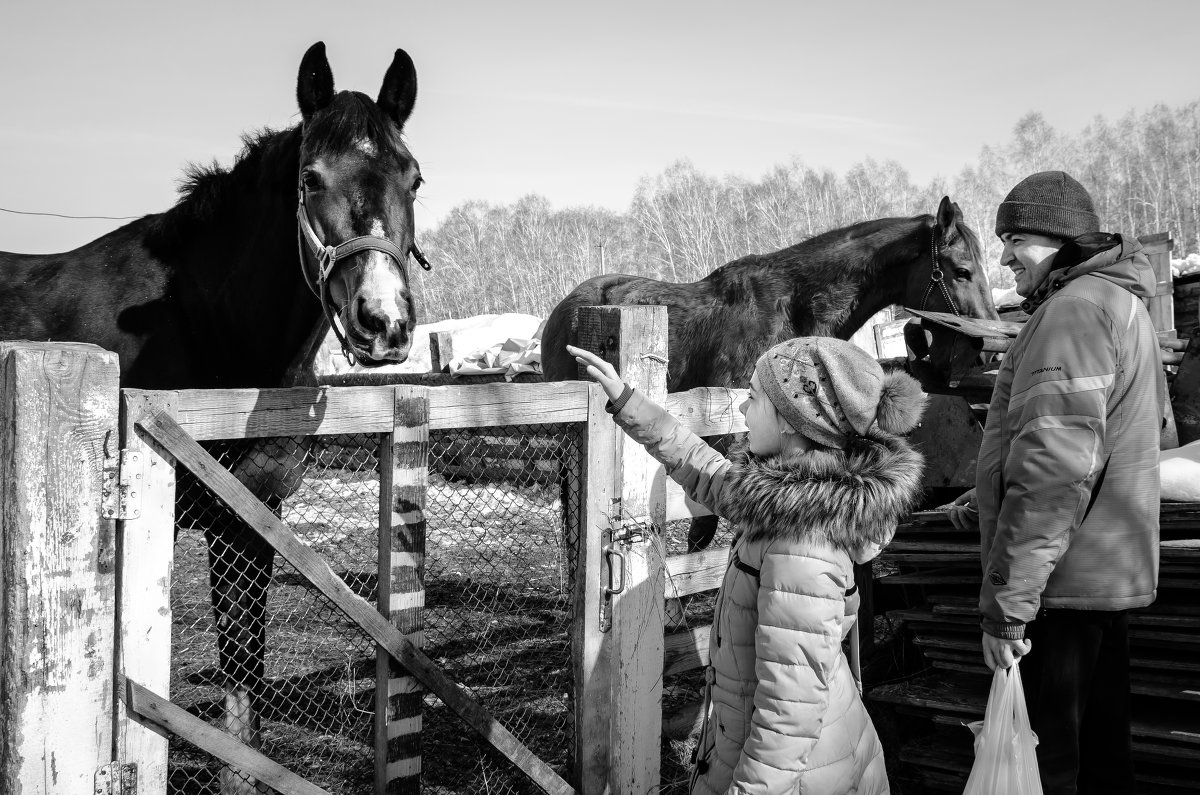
x=472 y=338
x=1179 y=470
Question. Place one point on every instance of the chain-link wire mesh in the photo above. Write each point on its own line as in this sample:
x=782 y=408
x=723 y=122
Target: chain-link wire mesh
x=261 y=653
x=256 y=649
x=498 y=585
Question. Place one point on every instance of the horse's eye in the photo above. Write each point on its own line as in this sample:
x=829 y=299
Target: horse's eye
x=311 y=180
x=962 y=273
x=417 y=183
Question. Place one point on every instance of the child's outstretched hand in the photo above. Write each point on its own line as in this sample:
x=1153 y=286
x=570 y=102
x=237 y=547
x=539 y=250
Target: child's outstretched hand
x=603 y=372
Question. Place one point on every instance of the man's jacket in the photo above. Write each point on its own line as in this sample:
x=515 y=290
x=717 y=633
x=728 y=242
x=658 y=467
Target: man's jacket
x=1067 y=478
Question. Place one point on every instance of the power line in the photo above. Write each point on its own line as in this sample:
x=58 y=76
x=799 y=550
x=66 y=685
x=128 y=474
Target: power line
x=76 y=217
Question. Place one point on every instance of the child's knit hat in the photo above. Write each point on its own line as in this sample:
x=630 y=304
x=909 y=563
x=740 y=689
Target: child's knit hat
x=831 y=390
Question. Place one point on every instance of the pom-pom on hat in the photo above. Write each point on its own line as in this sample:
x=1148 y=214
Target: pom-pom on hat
x=1050 y=203
x=831 y=390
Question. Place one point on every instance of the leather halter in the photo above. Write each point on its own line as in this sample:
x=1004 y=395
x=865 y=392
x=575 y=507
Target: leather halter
x=327 y=258
x=937 y=278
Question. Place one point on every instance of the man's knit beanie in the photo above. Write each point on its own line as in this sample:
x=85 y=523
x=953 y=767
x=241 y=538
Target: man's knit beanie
x=1049 y=203
x=830 y=390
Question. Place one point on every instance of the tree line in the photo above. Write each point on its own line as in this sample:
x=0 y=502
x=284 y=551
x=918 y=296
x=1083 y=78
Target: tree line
x=1142 y=170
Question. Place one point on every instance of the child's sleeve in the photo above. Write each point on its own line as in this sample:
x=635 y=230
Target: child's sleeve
x=797 y=642
x=690 y=462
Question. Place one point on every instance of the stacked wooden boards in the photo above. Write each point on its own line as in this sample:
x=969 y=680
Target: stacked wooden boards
x=939 y=569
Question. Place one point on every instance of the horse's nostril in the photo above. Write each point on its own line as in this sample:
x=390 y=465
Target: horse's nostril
x=369 y=317
x=399 y=336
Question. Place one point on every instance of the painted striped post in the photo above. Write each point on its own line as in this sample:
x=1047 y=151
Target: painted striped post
x=404 y=471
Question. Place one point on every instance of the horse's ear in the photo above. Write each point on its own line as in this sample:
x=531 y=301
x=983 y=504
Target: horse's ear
x=948 y=215
x=314 y=86
x=399 y=91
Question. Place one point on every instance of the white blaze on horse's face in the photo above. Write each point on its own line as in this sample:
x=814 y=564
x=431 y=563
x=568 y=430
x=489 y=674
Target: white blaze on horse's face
x=380 y=309
x=366 y=146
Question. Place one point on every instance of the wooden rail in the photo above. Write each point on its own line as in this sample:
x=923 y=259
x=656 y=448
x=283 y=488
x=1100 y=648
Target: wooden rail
x=166 y=717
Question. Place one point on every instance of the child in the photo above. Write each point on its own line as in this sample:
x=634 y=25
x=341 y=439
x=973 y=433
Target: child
x=819 y=485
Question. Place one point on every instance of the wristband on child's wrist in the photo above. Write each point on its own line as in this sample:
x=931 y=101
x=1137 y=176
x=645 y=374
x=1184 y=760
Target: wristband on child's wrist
x=616 y=405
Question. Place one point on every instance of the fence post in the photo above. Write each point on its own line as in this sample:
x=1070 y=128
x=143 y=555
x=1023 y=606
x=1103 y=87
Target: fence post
x=590 y=648
x=404 y=476
x=1161 y=305
x=57 y=572
x=146 y=555
x=634 y=339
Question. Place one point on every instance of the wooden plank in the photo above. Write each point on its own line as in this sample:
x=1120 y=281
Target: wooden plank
x=304 y=411
x=147 y=562
x=486 y=405
x=300 y=411
x=161 y=713
x=936 y=577
x=1161 y=305
x=695 y=572
x=57 y=574
x=590 y=652
x=709 y=411
x=905 y=545
x=401 y=593
x=972 y=327
x=313 y=567
x=634 y=340
x=686 y=650
x=441 y=351
x=930 y=558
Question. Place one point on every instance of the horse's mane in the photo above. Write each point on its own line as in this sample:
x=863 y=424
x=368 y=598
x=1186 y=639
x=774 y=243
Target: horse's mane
x=267 y=162
x=900 y=227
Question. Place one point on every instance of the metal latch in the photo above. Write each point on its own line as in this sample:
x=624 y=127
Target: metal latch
x=121 y=492
x=119 y=778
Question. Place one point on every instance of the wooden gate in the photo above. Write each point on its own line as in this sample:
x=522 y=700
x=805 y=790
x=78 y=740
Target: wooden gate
x=88 y=498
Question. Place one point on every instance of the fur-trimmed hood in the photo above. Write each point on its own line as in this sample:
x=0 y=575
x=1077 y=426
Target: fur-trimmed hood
x=850 y=498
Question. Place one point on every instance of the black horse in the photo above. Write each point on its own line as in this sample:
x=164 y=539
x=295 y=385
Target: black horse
x=218 y=292
x=210 y=293
x=828 y=285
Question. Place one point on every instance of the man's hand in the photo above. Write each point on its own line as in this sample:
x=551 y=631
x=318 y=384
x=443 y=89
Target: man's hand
x=603 y=372
x=963 y=512
x=1002 y=653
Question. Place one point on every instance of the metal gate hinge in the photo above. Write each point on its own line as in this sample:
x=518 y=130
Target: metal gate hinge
x=121 y=492
x=119 y=778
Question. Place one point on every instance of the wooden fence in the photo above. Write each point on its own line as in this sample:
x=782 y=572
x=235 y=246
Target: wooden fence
x=87 y=548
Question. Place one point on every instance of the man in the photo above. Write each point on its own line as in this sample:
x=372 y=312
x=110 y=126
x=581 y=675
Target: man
x=1067 y=483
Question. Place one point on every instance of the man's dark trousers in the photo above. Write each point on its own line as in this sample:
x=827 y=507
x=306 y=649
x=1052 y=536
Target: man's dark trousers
x=1076 y=679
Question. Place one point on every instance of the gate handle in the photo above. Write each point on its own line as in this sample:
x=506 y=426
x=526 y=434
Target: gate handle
x=610 y=552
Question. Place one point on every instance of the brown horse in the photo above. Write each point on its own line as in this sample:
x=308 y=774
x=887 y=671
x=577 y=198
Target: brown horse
x=828 y=285
x=219 y=291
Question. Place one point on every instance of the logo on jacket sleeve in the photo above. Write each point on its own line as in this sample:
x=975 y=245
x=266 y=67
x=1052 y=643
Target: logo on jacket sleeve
x=997 y=579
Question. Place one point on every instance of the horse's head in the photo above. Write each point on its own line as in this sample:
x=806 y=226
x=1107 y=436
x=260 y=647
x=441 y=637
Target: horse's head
x=357 y=183
x=950 y=278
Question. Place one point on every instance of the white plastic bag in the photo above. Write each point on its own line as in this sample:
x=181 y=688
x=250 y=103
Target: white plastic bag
x=1005 y=759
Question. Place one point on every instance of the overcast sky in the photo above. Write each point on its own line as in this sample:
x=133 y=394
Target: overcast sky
x=105 y=103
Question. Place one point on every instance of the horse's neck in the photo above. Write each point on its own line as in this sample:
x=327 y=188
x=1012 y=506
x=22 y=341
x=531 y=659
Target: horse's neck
x=869 y=273
x=242 y=258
